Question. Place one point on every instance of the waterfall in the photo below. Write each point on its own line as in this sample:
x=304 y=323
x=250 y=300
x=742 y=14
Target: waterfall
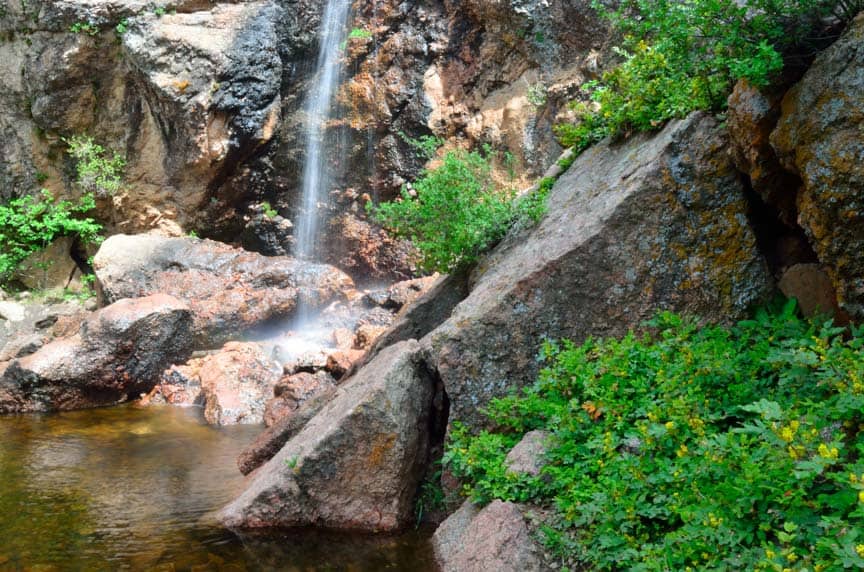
x=319 y=109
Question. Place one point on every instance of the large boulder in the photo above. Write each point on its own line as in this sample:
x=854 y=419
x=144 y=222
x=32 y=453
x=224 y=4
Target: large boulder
x=659 y=222
x=819 y=138
x=357 y=463
x=493 y=538
x=233 y=384
x=229 y=290
x=119 y=353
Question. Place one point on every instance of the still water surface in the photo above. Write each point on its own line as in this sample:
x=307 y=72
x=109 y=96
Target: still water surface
x=130 y=488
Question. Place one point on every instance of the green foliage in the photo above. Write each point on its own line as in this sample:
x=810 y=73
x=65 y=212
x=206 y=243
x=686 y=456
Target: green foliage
x=28 y=224
x=98 y=170
x=359 y=34
x=678 y=57
x=426 y=145
x=122 y=27
x=431 y=496
x=85 y=28
x=691 y=448
x=268 y=210
x=455 y=212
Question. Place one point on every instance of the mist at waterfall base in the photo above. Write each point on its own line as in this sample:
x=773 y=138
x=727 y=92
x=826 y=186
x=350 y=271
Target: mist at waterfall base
x=131 y=488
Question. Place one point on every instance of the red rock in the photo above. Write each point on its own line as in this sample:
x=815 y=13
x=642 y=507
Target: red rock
x=341 y=361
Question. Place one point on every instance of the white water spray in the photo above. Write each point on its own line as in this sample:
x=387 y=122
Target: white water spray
x=319 y=109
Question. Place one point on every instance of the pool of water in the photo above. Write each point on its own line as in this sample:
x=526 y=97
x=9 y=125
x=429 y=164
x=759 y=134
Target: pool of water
x=131 y=488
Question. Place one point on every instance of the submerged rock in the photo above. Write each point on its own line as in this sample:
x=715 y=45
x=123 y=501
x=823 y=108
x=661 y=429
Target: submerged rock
x=493 y=538
x=819 y=137
x=119 y=353
x=229 y=290
x=659 y=222
x=357 y=463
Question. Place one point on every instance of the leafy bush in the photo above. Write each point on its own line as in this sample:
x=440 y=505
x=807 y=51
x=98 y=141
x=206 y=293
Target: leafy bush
x=98 y=170
x=691 y=447
x=28 y=224
x=455 y=212
x=678 y=57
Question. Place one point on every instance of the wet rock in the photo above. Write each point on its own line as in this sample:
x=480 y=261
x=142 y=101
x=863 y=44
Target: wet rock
x=292 y=391
x=658 y=222
x=357 y=463
x=343 y=338
x=232 y=384
x=812 y=287
x=118 y=354
x=819 y=138
x=341 y=361
x=229 y=290
x=236 y=383
x=400 y=294
x=309 y=362
x=528 y=455
x=493 y=538
x=366 y=336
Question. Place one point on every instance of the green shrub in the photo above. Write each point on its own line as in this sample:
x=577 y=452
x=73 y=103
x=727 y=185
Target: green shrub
x=268 y=210
x=359 y=33
x=678 y=57
x=28 y=224
x=98 y=170
x=455 y=212
x=691 y=448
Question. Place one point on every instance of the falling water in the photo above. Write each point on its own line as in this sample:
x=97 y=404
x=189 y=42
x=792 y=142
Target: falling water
x=319 y=109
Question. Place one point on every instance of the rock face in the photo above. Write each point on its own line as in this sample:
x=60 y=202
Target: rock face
x=119 y=352
x=205 y=100
x=658 y=222
x=357 y=463
x=819 y=138
x=228 y=290
x=494 y=538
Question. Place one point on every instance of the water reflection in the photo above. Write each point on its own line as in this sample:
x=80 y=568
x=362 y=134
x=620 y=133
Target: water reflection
x=130 y=489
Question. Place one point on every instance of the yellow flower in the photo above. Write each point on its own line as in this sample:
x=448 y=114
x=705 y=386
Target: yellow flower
x=860 y=496
x=787 y=434
x=670 y=425
x=859 y=548
x=770 y=554
x=682 y=450
x=827 y=453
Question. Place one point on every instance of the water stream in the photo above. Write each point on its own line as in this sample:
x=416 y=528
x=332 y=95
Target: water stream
x=128 y=488
x=319 y=109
